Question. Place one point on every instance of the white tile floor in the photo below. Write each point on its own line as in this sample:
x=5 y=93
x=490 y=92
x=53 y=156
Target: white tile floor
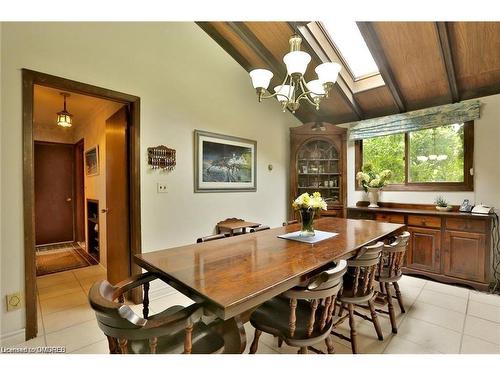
x=439 y=319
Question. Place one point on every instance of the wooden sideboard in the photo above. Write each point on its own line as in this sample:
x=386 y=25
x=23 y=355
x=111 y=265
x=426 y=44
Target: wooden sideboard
x=452 y=247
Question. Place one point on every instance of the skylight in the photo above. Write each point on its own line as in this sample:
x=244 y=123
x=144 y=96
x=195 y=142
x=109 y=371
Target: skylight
x=351 y=45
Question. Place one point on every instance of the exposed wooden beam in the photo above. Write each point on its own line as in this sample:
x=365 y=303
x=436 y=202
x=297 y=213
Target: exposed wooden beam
x=245 y=34
x=318 y=51
x=444 y=41
x=373 y=43
x=304 y=113
x=226 y=46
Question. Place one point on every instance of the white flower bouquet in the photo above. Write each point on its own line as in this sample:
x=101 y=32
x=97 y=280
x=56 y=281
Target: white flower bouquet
x=368 y=178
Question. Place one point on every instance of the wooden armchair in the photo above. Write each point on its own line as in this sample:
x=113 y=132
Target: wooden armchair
x=390 y=272
x=289 y=222
x=178 y=329
x=302 y=316
x=358 y=289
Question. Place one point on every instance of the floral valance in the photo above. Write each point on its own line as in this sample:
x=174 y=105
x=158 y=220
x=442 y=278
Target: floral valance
x=415 y=120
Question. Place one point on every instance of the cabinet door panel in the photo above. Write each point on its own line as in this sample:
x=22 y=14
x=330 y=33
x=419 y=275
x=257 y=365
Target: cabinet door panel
x=464 y=255
x=424 y=249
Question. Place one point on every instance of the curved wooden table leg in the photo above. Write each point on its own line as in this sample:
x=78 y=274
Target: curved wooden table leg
x=234 y=335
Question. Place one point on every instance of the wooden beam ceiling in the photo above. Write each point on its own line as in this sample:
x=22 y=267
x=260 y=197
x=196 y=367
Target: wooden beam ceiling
x=377 y=52
x=444 y=41
x=422 y=64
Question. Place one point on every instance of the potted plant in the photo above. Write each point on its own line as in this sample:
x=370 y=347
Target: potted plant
x=308 y=206
x=372 y=182
x=442 y=204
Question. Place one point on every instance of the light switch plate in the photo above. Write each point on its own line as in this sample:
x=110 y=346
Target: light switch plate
x=161 y=187
x=14 y=301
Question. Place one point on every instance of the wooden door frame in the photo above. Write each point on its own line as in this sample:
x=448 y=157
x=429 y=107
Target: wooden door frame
x=29 y=79
x=79 y=191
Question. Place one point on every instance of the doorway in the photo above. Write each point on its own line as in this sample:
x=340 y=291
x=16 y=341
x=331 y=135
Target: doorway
x=71 y=223
x=59 y=184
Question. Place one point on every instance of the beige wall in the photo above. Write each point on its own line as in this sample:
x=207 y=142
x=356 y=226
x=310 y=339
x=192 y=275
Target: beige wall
x=486 y=165
x=185 y=82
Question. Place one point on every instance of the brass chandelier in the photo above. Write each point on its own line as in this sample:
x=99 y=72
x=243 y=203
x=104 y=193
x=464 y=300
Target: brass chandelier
x=294 y=87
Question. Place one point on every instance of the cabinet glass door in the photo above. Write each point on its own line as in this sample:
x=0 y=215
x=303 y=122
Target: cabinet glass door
x=318 y=170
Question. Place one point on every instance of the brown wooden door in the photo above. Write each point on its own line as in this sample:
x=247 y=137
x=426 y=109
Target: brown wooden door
x=117 y=193
x=464 y=255
x=424 y=249
x=54 y=171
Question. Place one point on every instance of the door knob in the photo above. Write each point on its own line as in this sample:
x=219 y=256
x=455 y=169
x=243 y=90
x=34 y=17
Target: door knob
x=104 y=210
x=68 y=199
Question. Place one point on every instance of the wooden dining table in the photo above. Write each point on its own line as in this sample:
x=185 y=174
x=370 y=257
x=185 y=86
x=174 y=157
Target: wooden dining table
x=234 y=275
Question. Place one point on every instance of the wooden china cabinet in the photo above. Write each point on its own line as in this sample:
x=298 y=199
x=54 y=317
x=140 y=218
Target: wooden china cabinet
x=318 y=163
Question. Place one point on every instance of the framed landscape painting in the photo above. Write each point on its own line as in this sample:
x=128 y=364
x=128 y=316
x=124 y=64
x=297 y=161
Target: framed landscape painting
x=92 y=161
x=224 y=163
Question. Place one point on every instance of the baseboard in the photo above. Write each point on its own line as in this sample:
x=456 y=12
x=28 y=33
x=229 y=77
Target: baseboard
x=13 y=338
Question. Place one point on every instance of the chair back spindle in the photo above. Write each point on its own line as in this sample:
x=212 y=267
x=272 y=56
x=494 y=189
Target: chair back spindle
x=362 y=270
x=391 y=264
x=320 y=293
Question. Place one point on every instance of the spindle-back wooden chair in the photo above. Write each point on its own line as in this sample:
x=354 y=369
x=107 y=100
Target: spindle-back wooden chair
x=178 y=329
x=302 y=316
x=289 y=222
x=358 y=289
x=390 y=272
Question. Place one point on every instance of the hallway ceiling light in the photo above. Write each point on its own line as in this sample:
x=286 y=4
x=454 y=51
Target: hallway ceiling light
x=64 y=118
x=294 y=88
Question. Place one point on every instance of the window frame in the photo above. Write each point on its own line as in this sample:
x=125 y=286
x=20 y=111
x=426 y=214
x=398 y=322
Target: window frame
x=466 y=185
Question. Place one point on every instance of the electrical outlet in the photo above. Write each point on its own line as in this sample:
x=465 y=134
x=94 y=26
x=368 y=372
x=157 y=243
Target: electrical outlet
x=14 y=301
x=161 y=187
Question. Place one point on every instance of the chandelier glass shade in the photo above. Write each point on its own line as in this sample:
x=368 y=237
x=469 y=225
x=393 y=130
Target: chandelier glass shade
x=294 y=88
x=64 y=118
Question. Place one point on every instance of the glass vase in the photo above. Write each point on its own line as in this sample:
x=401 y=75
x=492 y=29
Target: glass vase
x=307 y=219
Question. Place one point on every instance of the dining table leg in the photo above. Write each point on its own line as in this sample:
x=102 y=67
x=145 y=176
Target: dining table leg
x=233 y=332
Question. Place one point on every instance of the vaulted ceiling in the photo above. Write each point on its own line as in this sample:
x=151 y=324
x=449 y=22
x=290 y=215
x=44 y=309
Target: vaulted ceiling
x=421 y=64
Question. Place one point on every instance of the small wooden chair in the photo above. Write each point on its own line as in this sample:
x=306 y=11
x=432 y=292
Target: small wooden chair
x=289 y=222
x=211 y=238
x=231 y=220
x=177 y=330
x=302 y=316
x=358 y=289
x=389 y=272
x=258 y=229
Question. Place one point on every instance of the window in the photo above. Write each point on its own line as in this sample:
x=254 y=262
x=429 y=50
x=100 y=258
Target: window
x=430 y=159
x=349 y=43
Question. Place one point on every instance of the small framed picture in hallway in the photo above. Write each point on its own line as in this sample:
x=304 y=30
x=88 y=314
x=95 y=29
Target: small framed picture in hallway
x=92 y=161
x=224 y=163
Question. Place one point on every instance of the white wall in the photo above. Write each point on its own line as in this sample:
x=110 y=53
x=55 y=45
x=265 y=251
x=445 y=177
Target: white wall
x=486 y=166
x=186 y=82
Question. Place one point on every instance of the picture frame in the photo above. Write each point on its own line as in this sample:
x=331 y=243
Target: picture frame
x=224 y=163
x=92 y=161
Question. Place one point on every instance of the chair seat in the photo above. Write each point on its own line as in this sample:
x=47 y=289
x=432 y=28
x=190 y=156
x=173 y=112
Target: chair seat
x=348 y=295
x=273 y=317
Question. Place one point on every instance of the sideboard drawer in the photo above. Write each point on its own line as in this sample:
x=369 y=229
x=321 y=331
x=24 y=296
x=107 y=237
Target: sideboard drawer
x=470 y=225
x=424 y=221
x=391 y=218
